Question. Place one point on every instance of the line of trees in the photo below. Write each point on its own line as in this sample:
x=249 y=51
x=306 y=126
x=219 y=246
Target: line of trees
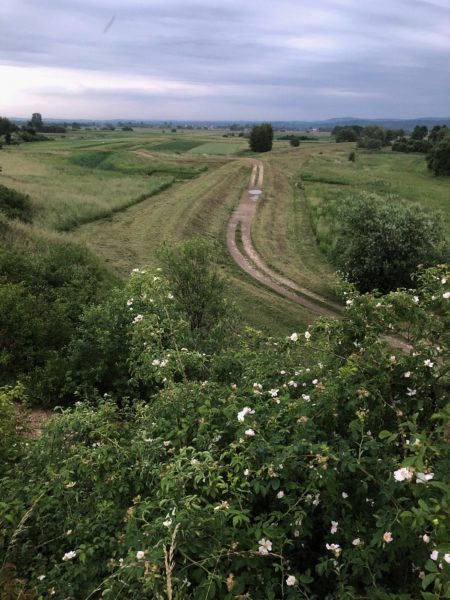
x=434 y=143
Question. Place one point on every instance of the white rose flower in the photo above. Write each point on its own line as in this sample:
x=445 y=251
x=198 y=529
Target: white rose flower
x=265 y=546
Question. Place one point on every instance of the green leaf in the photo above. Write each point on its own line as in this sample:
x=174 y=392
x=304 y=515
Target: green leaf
x=428 y=579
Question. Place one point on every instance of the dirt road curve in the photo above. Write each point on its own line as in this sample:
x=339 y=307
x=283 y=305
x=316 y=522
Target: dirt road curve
x=251 y=262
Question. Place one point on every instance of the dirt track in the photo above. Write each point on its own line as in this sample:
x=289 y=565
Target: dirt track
x=252 y=263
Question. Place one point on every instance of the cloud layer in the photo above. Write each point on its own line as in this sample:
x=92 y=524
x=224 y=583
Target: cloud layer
x=187 y=59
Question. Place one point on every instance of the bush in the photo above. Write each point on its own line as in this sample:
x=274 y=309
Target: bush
x=12 y=423
x=15 y=205
x=42 y=296
x=438 y=159
x=322 y=473
x=370 y=143
x=411 y=145
x=381 y=241
x=294 y=142
x=199 y=290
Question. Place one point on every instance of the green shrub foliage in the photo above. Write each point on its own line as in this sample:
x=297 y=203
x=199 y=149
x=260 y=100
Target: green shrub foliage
x=382 y=240
x=42 y=296
x=315 y=466
x=438 y=159
x=15 y=205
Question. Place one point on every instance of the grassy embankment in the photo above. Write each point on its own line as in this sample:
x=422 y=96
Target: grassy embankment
x=88 y=177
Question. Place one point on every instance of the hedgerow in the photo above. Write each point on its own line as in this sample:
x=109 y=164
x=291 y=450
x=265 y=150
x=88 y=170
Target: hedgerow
x=314 y=466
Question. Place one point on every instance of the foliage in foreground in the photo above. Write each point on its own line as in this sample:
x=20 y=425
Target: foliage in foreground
x=315 y=466
x=43 y=293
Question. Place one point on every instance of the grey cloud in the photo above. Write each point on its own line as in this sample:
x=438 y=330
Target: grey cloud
x=384 y=55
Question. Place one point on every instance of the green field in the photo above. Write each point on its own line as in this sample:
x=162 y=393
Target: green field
x=219 y=148
x=327 y=176
x=124 y=194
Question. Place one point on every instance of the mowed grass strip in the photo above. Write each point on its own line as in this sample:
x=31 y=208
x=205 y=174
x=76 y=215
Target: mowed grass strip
x=68 y=189
x=200 y=207
x=282 y=232
x=263 y=309
x=221 y=148
x=176 y=146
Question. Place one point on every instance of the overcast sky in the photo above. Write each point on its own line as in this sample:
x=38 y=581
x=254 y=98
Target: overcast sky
x=225 y=59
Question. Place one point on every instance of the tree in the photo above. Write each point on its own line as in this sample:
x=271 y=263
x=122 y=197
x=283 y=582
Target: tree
x=261 y=138
x=437 y=133
x=347 y=133
x=36 y=121
x=6 y=128
x=419 y=132
x=294 y=142
x=383 y=240
x=438 y=159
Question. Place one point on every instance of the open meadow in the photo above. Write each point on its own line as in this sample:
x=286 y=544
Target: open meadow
x=125 y=194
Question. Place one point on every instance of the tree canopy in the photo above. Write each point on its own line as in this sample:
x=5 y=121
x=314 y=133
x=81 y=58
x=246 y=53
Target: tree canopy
x=261 y=138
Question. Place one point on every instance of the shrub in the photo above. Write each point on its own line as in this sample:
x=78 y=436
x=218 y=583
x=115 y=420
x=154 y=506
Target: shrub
x=15 y=205
x=322 y=473
x=438 y=159
x=381 y=241
x=199 y=290
x=370 y=143
x=411 y=145
x=12 y=423
x=42 y=296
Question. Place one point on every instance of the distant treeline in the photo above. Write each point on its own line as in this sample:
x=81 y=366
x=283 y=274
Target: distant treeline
x=435 y=143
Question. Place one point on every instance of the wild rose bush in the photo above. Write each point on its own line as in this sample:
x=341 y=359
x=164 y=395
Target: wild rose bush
x=315 y=466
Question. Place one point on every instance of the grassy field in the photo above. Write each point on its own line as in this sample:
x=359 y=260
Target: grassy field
x=105 y=189
x=220 y=147
x=75 y=182
x=328 y=176
x=200 y=207
x=124 y=194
